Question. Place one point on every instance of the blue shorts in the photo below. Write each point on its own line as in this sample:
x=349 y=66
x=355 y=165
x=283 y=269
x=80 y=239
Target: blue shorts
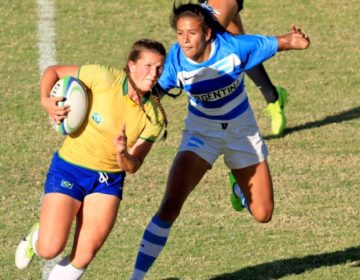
x=77 y=182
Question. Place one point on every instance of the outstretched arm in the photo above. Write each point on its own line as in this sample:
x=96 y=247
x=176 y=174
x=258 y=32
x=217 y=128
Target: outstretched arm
x=295 y=40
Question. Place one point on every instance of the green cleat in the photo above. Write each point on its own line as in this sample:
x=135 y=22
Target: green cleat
x=25 y=252
x=236 y=202
x=277 y=113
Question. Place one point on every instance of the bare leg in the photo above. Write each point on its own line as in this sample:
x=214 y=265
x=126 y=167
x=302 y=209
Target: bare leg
x=94 y=223
x=228 y=15
x=56 y=217
x=256 y=184
x=186 y=172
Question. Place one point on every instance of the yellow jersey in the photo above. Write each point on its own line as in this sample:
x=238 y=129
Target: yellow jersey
x=109 y=108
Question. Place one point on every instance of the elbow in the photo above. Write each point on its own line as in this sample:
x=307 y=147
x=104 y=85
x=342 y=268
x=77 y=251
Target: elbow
x=129 y=164
x=131 y=170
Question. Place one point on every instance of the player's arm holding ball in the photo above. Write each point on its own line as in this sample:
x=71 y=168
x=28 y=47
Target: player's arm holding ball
x=51 y=75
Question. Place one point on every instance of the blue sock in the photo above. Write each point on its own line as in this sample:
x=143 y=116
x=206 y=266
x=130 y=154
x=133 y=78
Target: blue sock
x=152 y=243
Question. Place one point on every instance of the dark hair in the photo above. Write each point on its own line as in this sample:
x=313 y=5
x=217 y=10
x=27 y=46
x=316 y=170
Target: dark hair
x=137 y=48
x=204 y=15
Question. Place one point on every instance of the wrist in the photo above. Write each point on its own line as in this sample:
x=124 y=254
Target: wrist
x=283 y=42
x=123 y=153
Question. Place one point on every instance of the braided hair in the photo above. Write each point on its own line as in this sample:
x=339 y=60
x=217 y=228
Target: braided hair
x=134 y=54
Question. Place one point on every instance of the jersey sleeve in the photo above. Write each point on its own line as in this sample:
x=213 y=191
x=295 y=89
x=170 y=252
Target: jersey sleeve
x=154 y=124
x=96 y=77
x=168 y=78
x=151 y=133
x=255 y=49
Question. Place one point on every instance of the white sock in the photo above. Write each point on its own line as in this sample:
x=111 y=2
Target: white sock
x=65 y=270
x=34 y=240
x=137 y=274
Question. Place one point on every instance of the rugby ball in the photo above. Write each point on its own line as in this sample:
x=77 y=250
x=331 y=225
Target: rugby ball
x=74 y=94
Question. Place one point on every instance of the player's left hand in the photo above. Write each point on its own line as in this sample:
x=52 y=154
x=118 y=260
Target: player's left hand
x=299 y=40
x=120 y=141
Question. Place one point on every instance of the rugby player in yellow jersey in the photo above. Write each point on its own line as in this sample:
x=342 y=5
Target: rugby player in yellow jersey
x=86 y=176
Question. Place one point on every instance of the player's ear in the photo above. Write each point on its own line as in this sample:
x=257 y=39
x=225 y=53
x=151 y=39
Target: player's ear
x=208 y=34
x=131 y=65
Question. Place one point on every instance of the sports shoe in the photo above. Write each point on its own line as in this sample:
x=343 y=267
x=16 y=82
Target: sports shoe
x=24 y=251
x=237 y=203
x=277 y=113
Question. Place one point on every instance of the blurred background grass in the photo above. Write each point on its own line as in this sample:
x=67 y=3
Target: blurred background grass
x=314 y=233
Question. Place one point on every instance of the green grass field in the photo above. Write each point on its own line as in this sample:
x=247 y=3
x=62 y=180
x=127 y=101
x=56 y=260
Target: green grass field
x=315 y=231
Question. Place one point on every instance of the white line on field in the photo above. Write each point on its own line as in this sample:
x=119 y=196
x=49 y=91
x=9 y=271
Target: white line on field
x=47 y=56
x=46 y=34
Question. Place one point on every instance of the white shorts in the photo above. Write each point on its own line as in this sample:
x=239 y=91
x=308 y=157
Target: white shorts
x=239 y=140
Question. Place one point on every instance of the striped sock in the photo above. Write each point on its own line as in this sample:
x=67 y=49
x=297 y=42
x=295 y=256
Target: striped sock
x=152 y=243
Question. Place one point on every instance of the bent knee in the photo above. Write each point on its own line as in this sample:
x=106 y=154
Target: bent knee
x=263 y=214
x=49 y=250
x=48 y=253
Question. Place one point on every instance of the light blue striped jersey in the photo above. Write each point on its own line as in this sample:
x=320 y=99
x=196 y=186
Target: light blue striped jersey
x=215 y=87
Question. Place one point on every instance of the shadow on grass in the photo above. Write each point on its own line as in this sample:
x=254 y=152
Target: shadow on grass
x=341 y=117
x=282 y=268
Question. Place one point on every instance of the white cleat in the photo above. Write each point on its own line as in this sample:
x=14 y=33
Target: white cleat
x=24 y=251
